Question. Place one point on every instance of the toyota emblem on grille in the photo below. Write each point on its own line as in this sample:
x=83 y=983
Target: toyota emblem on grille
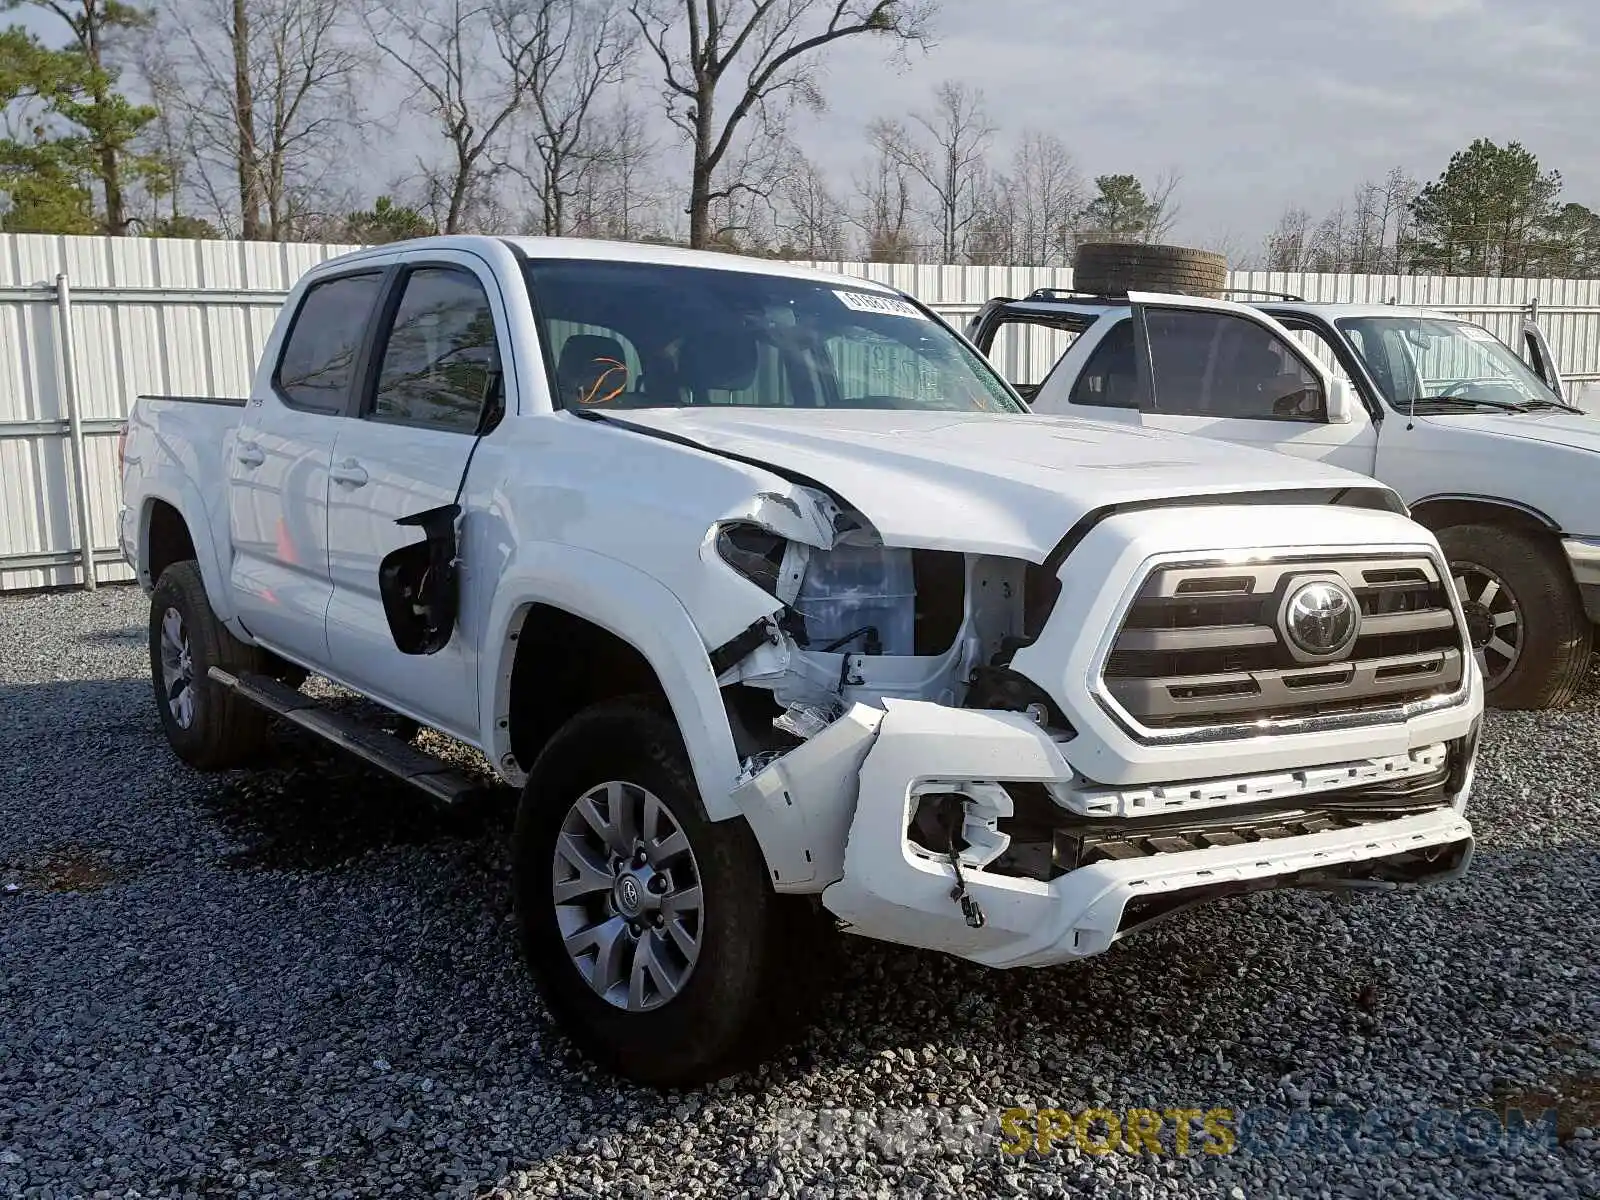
x=1321 y=618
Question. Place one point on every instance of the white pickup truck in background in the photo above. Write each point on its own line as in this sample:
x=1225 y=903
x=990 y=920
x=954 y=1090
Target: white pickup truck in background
x=1478 y=442
x=783 y=612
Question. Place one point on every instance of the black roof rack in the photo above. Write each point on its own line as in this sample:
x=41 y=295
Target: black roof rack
x=1268 y=295
x=1064 y=294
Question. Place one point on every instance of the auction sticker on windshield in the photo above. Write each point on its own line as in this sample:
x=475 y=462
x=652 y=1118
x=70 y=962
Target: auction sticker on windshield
x=868 y=302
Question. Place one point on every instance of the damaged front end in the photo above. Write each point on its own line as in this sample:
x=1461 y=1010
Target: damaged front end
x=898 y=764
x=859 y=622
x=969 y=831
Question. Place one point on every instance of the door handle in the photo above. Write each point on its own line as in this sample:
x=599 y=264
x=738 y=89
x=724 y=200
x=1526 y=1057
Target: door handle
x=349 y=472
x=250 y=455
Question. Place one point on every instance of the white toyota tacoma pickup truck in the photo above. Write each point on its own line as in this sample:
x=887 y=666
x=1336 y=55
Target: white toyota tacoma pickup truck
x=784 y=613
x=1480 y=444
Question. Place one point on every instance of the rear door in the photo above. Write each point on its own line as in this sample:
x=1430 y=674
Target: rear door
x=277 y=468
x=1220 y=370
x=435 y=354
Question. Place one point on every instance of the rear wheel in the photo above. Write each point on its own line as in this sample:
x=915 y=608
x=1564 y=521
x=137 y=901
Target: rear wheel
x=652 y=932
x=1524 y=615
x=206 y=724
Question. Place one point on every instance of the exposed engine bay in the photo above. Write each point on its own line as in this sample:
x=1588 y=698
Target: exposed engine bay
x=863 y=623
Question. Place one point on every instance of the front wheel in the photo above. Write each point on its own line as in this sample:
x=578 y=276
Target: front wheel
x=1524 y=616
x=652 y=932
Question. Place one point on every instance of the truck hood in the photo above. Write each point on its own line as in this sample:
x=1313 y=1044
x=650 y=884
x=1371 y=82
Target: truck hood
x=984 y=482
x=1578 y=430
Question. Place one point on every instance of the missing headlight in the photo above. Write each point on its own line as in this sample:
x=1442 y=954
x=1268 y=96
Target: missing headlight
x=754 y=552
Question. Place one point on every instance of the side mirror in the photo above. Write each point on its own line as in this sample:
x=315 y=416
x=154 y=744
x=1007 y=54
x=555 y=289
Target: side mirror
x=1342 y=403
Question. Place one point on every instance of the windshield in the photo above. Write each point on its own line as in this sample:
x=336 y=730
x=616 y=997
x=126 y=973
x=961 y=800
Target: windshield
x=641 y=335
x=1438 y=360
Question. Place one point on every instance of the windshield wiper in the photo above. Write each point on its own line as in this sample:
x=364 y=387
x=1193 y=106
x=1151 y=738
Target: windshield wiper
x=1462 y=402
x=1542 y=405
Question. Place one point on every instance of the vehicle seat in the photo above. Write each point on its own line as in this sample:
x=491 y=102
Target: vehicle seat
x=1259 y=372
x=721 y=361
x=592 y=370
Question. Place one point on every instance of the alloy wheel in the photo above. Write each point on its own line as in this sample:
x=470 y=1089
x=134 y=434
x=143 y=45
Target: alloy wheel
x=1494 y=620
x=177 y=668
x=627 y=895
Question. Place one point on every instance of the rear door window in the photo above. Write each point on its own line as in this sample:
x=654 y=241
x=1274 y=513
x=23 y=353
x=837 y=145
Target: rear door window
x=318 y=362
x=1110 y=379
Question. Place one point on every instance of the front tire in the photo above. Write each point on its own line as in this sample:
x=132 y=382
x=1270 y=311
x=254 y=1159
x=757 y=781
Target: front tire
x=1524 y=615
x=652 y=932
x=207 y=726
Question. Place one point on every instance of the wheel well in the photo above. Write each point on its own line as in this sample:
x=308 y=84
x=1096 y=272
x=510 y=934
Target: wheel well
x=1441 y=514
x=167 y=539
x=564 y=665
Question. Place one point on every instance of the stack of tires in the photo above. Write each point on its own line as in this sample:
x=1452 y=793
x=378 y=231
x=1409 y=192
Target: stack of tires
x=1117 y=268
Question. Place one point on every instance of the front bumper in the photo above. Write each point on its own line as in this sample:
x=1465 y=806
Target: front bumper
x=1583 y=556
x=891 y=888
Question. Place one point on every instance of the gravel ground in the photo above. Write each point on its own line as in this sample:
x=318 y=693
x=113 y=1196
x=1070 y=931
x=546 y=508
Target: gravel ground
x=303 y=982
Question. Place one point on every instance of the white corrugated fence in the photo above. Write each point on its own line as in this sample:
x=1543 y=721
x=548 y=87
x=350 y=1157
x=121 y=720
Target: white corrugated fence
x=87 y=324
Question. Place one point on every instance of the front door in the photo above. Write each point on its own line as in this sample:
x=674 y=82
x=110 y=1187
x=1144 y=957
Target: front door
x=277 y=468
x=406 y=451
x=1216 y=369
x=1536 y=349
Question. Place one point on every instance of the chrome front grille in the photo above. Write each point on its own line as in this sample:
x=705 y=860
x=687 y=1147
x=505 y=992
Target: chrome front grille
x=1205 y=645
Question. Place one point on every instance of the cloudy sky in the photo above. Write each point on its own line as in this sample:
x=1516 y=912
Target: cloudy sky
x=1259 y=103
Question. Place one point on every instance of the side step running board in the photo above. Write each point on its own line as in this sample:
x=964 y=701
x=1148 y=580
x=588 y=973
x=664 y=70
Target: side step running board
x=406 y=762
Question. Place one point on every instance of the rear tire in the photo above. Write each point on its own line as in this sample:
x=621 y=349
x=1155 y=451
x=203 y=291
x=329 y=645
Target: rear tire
x=739 y=996
x=1524 y=614
x=207 y=726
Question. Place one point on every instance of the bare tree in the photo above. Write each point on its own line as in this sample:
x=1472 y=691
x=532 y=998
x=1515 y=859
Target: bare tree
x=1165 y=206
x=1288 y=245
x=263 y=89
x=170 y=136
x=473 y=65
x=1329 y=248
x=247 y=160
x=581 y=50
x=1047 y=195
x=952 y=164
x=811 y=221
x=757 y=57
x=883 y=198
x=1368 y=235
x=1226 y=241
x=1395 y=221
x=743 y=216
x=616 y=195
x=994 y=235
